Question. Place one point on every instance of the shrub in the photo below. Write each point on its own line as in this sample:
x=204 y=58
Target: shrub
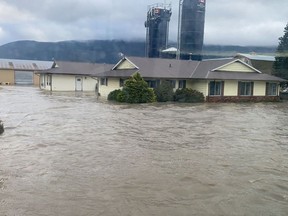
x=136 y=90
x=114 y=94
x=121 y=97
x=188 y=95
x=164 y=92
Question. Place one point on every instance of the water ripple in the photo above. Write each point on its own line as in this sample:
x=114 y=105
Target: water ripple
x=71 y=154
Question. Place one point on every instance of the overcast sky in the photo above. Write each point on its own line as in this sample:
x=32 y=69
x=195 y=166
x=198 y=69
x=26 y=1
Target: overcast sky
x=228 y=22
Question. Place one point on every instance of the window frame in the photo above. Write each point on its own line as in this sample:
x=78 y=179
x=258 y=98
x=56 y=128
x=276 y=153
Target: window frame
x=104 y=81
x=182 y=84
x=122 y=82
x=172 y=83
x=273 y=88
x=153 y=83
x=221 y=88
x=240 y=90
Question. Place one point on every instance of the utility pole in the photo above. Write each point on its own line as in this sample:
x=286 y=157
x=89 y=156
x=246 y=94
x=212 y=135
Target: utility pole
x=178 y=52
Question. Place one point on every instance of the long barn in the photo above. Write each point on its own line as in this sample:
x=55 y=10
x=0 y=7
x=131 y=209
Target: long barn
x=22 y=72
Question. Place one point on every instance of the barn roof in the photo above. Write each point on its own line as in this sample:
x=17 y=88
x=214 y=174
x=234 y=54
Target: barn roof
x=32 y=65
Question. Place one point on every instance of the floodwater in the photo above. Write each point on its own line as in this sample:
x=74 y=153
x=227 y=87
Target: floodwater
x=70 y=154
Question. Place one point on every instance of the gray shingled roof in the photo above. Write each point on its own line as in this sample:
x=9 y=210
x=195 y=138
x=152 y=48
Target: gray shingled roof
x=78 y=68
x=32 y=65
x=172 y=68
x=155 y=67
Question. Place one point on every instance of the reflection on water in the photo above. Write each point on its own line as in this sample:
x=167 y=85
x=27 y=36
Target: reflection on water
x=67 y=154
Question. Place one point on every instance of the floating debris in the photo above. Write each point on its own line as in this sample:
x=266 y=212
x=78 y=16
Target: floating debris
x=1 y=127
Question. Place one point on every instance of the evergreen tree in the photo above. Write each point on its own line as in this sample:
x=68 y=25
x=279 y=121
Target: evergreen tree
x=164 y=91
x=136 y=90
x=280 y=66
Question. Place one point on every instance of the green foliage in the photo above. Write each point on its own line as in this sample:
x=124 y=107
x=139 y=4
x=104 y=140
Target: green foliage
x=114 y=94
x=164 y=92
x=135 y=90
x=188 y=95
x=121 y=97
x=280 y=66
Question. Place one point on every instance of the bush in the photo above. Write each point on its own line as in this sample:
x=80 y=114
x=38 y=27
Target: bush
x=135 y=90
x=188 y=95
x=164 y=92
x=121 y=97
x=114 y=94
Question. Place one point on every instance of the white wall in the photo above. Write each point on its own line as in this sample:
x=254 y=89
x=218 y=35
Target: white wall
x=113 y=84
x=63 y=82
x=230 y=88
x=67 y=82
x=199 y=85
x=259 y=88
x=89 y=83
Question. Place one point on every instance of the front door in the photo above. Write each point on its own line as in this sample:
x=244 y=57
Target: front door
x=78 y=83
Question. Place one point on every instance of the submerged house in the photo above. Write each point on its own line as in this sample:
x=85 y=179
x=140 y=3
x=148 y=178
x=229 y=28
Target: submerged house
x=71 y=76
x=218 y=80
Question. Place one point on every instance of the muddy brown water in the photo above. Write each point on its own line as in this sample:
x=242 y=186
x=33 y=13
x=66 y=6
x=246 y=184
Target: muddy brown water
x=71 y=154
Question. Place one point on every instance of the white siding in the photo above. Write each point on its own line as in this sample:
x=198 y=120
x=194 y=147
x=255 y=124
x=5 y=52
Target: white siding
x=63 y=82
x=113 y=84
x=199 y=85
x=66 y=82
x=236 y=67
x=230 y=88
x=89 y=84
x=125 y=65
x=259 y=88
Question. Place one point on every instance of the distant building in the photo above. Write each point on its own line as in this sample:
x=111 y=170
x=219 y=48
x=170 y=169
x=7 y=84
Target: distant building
x=264 y=63
x=22 y=72
x=157 y=29
x=191 y=28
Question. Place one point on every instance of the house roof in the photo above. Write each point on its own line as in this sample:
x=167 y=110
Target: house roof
x=185 y=69
x=257 y=57
x=33 y=65
x=155 y=67
x=78 y=68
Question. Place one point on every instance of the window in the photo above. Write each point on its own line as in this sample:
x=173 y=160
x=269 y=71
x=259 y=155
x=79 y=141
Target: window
x=182 y=84
x=245 y=88
x=153 y=83
x=216 y=88
x=271 y=89
x=104 y=81
x=49 y=79
x=121 y=82
x=172 y=83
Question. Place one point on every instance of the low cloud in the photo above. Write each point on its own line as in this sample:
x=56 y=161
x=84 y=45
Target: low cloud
x=258 y=22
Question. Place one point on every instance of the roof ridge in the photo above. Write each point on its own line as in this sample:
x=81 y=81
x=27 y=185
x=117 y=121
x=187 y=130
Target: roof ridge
x=193 y=72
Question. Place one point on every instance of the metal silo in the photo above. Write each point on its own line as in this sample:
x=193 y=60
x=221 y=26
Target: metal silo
x=157 y=29
x=191 y=28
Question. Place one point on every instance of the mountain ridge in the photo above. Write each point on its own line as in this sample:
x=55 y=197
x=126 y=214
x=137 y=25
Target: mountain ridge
x=106 y=51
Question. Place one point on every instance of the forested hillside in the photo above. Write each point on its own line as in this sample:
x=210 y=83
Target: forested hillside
x=103 y=51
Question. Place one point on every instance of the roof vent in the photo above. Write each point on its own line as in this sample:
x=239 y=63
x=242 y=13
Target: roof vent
x=35 y=65
x=170 y=65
